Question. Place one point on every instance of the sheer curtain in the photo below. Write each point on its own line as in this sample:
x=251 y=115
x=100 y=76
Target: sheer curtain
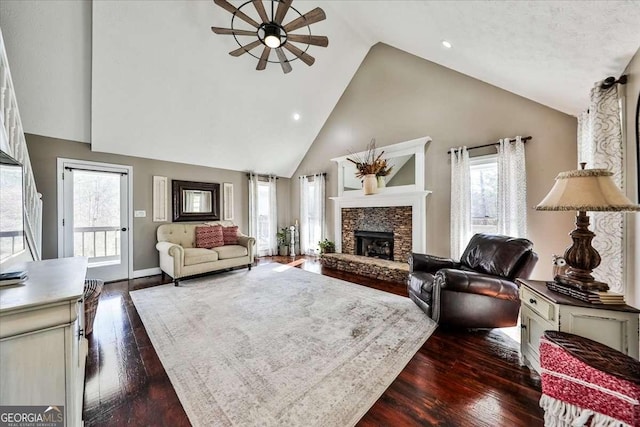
x=312 y=212
x=460 y=201
x=273 y=217
x=512 y=188
x=253 y=206
x=263 y=213
x=600 y=145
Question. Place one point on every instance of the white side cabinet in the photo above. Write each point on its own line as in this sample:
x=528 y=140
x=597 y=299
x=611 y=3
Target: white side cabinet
x=42 y=347
x=542 y=310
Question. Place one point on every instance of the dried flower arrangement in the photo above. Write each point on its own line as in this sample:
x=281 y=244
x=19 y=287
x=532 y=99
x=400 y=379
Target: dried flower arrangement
x=370 y=163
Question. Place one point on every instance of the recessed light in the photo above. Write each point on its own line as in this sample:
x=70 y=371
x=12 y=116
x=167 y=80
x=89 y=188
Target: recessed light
x=296 y=116
x=447 y=44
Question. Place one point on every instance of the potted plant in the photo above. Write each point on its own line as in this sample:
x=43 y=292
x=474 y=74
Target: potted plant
x=370 y=166
x=327 y=246
x=281 y=237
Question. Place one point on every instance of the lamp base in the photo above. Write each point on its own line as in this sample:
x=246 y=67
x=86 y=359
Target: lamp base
x=583 y=286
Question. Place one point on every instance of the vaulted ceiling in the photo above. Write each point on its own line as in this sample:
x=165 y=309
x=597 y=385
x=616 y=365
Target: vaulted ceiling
x=150 y=79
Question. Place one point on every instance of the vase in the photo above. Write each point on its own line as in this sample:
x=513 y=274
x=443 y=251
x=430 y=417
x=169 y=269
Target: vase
x=382 y=182
x=369 y=184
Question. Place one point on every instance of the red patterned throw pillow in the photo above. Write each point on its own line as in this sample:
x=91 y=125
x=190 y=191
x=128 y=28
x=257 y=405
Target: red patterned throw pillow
x=230 y=235
x=208 y=237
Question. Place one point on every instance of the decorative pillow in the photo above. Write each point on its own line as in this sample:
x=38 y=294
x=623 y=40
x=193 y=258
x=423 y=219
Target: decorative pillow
x=208 y=237
x=230 y=235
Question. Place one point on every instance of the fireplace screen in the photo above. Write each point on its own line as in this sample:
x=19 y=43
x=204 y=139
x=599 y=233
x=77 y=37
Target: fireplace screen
x=376 y=244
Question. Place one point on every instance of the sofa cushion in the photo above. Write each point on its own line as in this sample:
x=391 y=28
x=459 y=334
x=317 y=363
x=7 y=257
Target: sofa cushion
x=194 y=256
x=208 y=237
x=231 y=251
x=230 y=235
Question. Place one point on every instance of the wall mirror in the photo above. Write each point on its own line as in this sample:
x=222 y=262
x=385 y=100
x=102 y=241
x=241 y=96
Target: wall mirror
x=195 y=201
x=403 y=172
x=407 y=174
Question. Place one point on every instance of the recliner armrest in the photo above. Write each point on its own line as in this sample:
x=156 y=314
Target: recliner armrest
x=472 y=282
x=429 y=263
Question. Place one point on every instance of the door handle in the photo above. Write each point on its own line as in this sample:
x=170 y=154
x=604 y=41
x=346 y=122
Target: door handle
x=123 y=229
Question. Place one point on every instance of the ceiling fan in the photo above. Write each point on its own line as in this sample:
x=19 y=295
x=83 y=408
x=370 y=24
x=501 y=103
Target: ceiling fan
x=272 y=33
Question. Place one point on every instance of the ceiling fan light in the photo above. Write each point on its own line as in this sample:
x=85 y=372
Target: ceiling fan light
x=272 y=36
x=272 y=41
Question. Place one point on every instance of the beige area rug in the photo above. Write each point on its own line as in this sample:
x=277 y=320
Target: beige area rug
x=279 y=346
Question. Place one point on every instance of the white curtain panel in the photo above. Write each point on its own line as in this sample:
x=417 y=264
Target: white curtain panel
x=512 y=188
x=318 y=229
x=253 y=205
x=460 y=201
x=600 y=145
x=304 y=214
x=312 y=213
x=273 y=217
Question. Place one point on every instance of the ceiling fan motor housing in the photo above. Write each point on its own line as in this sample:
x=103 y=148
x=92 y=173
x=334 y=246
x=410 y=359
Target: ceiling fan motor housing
x=272 y=34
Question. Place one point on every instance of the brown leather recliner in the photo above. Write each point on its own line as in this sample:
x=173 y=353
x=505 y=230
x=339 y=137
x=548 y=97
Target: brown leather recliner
x=480 y=290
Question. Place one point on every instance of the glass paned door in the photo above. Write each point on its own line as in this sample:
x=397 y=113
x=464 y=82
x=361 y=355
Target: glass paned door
x=96 y=221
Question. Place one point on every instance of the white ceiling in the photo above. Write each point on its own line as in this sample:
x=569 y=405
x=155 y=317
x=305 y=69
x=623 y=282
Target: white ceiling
x=164 y=86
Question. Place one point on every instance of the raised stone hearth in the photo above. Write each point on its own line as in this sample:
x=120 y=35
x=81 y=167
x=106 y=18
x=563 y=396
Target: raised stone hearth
x=391 y=219
x=390 y=271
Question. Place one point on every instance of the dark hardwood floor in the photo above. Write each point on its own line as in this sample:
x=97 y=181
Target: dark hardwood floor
x=457 y=378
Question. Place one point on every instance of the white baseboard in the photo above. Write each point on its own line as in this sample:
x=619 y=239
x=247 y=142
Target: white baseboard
x=146 y=272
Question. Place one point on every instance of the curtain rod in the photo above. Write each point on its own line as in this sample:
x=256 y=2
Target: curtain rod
x=262 y=176
x=71 y=169
x=306 y=176
x=524 y=139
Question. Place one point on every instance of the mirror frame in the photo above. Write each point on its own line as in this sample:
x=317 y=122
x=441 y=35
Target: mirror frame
x=177 y=189
x=415 y=146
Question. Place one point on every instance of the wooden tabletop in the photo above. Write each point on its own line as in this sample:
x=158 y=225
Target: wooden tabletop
x=50 y=281
x=540 y=286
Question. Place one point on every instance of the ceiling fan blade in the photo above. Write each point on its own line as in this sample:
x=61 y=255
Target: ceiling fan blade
x=283 y=8
x=304 y=56
x=284 y=62
x=246 y=48
x=262 y=63
x=314 y=40
x=219 y=30
x=260 y=8
x=316 y=15
x=232 y=9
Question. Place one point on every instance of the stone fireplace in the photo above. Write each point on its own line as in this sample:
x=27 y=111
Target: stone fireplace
x=364 y=231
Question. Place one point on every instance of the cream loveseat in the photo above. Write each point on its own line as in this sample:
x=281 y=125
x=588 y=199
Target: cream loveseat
x=179 y=257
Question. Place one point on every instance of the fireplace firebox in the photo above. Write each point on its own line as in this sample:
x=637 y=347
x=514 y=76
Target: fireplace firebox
x=376 y=244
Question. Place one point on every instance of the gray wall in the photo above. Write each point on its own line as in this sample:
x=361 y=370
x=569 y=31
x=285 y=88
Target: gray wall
x=44 y=152
x=395 y=96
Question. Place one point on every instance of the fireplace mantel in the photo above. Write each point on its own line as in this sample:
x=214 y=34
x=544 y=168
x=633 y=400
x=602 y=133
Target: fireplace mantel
x=416 y=199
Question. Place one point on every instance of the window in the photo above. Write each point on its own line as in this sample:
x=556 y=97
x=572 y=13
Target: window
x=484 y=192
x=312 y=195
x=264 y=219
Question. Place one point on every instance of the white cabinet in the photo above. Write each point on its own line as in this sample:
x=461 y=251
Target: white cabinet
x=42 y=347
x=542 y=310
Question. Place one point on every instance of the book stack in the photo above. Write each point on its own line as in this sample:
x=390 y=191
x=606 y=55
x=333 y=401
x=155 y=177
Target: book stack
x=13 y=278
x=592 y=297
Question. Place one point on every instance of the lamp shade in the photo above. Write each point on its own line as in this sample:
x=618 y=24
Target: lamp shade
x=586 y=190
